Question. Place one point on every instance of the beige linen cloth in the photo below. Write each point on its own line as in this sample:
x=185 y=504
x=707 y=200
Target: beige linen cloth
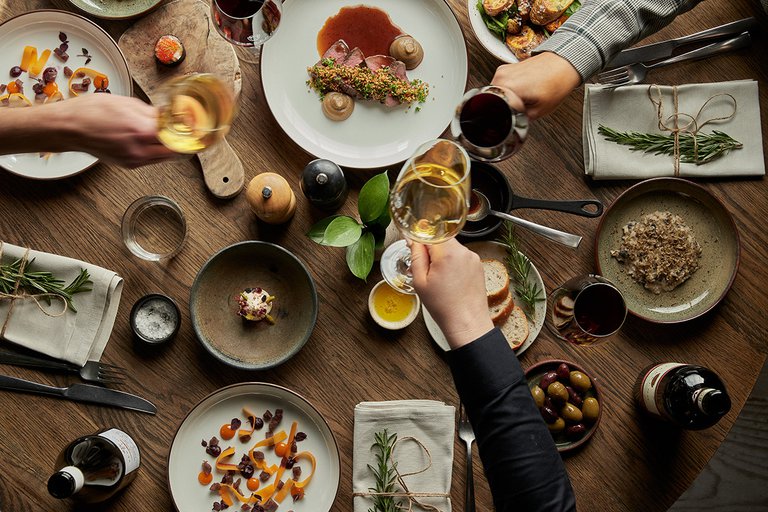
x=73 y=337
x=629 y=109
x=430 y=422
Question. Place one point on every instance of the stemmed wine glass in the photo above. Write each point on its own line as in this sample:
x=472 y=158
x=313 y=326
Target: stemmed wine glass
x=428 y=203
x=247 y=23
x=487 y=126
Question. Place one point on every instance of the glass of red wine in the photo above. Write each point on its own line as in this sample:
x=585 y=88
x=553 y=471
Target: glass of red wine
x=487 y=126
x=247 y=23
x=585 y=310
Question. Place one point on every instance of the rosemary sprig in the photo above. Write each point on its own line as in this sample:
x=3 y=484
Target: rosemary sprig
x=384 y=472
x=708 y=146
x=520 y=267
x=42 y=282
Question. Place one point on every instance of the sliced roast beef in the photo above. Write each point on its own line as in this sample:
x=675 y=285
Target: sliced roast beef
x=354 y=58
x=375 y=62
x=338 y=51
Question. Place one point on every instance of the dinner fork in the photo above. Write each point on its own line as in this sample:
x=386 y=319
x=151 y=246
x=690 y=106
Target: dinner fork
x=468 y=436
x=636 y=73
x=92 y=371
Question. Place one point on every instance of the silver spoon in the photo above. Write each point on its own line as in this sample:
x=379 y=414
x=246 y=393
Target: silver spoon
x=484 y=209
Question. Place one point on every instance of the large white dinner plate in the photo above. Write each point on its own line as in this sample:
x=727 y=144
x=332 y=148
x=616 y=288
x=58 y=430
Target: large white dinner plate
x=41 y=29
x=488 y=39
x=374 y=136
x=496 y=250
x=217 y=409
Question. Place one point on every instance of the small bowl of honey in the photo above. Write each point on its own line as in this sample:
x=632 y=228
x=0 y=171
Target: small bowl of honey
x=392 y=309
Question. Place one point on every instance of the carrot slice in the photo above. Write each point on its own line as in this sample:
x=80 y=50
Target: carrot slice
x=37 y=65
x=220 y=465
x=30 y=54
x=243 y=433
x=292 y=435
x=91 y=73
x=271 y=441
x=311 y=458
x=284 y=490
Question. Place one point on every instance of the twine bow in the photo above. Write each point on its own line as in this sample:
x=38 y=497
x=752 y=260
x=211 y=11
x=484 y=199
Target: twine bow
x=692 y=127
x=405 y=493
x=17 y=294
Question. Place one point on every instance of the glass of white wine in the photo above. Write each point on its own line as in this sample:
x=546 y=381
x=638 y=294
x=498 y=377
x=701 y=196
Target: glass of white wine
x=428 y=203
x=195 y=112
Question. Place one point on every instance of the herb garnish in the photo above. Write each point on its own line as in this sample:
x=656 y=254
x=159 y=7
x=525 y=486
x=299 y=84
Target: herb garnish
x=42 y=282
x=384 y=472
x=520 y=266
x=87 y=56
x=708 y=147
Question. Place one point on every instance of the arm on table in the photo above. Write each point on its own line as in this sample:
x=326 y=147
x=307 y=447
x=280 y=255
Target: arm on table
x=582 y=46
x=113 y=128
x=523 y=467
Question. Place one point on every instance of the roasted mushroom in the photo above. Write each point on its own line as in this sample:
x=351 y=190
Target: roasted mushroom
x=407 y=50
x=337 y=106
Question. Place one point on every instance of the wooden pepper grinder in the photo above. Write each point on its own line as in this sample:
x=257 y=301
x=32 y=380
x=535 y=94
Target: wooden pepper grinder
x=271 y=198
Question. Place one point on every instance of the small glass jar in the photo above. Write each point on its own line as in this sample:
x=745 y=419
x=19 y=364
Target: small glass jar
x=155 y=320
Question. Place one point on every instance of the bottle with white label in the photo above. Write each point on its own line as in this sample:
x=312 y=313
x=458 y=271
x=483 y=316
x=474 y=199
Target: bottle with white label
x=690 y=396
x=94 y=468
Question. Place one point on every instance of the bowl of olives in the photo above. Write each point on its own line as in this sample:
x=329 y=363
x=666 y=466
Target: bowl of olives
x=568 y=399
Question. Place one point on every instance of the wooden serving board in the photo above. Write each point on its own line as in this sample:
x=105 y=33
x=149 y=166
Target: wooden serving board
x=207 y=52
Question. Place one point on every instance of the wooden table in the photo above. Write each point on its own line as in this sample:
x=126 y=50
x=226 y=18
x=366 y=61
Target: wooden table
x=632 y=463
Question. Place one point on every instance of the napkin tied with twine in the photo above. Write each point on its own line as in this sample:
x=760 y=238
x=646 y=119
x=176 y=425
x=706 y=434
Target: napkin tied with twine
x=730 y=107
x=27 y=319
x=423 y=453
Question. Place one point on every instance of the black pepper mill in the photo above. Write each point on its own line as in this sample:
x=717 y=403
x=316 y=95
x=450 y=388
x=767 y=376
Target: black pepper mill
x=324 y=184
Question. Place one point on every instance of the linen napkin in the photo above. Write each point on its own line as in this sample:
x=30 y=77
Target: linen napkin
x=430 y=422
x=628 y=108
x=73 y=337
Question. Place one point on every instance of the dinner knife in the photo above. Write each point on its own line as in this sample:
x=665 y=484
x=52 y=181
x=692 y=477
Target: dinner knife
x=651 y=52
x=81 y=393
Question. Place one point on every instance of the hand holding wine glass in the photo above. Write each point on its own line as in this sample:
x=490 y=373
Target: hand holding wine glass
x=428 y=203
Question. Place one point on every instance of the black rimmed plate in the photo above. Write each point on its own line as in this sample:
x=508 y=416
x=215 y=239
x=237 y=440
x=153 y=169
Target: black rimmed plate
x=713 y=227
x=204 y=421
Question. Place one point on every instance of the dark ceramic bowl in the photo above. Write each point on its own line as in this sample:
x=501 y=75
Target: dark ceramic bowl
x=534 y=374
x=489 y=180
x=241 y=343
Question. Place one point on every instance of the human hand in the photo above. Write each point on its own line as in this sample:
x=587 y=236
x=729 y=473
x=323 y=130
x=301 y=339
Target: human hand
x=541 y=82
x=113 y=128
x=450 y=282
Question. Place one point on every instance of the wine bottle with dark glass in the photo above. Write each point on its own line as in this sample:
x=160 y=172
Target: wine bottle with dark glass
x=94 y=468
x=690 y=396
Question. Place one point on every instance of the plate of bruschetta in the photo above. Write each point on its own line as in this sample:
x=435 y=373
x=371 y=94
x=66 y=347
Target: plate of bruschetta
x=510 y=30
x=508 y=312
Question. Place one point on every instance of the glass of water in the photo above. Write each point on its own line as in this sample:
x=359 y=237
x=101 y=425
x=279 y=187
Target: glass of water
x=154 y=228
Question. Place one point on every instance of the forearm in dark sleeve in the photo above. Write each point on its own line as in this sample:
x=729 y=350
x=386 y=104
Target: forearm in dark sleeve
x=523 y=467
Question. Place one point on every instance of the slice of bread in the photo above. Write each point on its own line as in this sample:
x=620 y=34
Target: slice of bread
x=496 y=281
x=515 y=329
x=500 y=312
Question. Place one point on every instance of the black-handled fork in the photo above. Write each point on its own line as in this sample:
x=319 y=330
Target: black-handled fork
x=92 y=371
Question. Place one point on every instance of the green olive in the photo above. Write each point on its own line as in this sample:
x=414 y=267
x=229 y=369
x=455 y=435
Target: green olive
x=557 y=426
x=557 y=391
x=590 y=409
x=538 y=395
x=580 y=382
x=571 y=413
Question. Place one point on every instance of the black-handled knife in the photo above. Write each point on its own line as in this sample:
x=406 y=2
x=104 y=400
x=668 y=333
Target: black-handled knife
x=663 y=49
x=81 y=393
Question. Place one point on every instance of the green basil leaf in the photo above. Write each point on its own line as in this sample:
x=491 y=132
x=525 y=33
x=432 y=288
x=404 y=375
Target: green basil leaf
x=360 y=256
x=317 y=232
x=342 y=231
x=373 y=198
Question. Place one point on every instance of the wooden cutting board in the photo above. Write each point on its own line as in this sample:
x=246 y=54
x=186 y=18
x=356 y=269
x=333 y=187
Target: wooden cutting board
x=207 y=52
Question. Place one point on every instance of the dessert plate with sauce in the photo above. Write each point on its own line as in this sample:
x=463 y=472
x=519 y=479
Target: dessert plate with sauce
x=41 y=30
x=496 y=250
x=374 y=135
x=217 y=409
x=714 y=230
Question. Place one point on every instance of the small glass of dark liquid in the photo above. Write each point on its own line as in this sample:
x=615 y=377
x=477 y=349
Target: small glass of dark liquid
x=586 y=310
x=487 y=126
x=247 y=23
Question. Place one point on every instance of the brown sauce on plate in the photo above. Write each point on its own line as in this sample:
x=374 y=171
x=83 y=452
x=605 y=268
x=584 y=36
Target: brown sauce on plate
x=367 y=28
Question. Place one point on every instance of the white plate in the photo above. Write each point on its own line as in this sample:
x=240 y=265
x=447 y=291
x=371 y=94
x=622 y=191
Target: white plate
x=496 y=250
x=217 y=409
x=41 y=30
x=374 y=136
x=116 y=9
x=490 y=42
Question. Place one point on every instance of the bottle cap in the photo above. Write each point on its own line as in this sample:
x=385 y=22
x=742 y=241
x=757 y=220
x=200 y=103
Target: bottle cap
x=155 y=319
x=65 y=482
